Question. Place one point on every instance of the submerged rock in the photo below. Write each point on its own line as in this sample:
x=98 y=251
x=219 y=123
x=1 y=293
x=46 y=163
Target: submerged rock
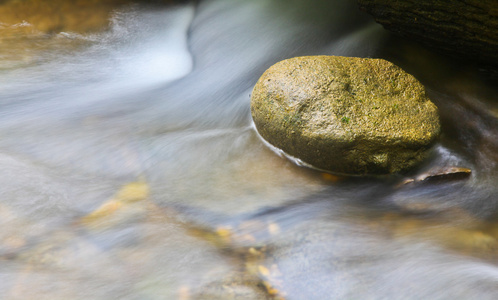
x=345 y=115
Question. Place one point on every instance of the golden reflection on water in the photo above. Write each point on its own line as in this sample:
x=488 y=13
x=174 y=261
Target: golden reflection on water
x=29 y=28
x=53 y=16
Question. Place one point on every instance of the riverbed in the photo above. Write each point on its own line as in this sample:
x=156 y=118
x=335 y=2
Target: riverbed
x=132 y=170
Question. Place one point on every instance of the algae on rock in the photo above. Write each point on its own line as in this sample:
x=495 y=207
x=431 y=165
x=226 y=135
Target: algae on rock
x=346 y=115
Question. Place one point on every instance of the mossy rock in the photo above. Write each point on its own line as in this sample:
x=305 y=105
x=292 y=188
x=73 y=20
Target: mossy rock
x=345 y=115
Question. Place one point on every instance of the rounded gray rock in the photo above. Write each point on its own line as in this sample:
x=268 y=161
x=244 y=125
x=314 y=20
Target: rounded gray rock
x=345 y=115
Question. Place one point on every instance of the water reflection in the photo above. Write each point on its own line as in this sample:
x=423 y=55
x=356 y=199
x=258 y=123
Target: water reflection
x=131 y=170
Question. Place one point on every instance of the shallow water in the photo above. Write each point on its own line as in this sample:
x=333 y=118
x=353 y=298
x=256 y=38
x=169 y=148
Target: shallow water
x=131 y=169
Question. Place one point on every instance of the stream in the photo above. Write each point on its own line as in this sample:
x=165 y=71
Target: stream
x=131 y=168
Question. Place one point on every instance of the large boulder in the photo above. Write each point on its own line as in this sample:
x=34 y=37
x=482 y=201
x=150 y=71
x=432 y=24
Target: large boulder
x=345 y=115
x=459 y=28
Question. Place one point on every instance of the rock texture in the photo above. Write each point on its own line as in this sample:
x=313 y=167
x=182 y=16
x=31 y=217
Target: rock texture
x=459 y=28
x=345 y=115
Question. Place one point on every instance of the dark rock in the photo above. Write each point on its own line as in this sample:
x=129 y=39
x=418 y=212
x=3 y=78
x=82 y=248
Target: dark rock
x=460 y=28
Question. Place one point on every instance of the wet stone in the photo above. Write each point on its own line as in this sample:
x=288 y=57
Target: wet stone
x=345 y=115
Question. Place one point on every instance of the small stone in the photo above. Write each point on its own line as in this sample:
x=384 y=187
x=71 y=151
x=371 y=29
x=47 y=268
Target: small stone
x=345 y=115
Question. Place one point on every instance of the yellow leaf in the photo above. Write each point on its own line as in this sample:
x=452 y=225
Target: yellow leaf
x=104 y=210
x=224 y=234
x=129 y=193
x=263 y=270
x=132 y=192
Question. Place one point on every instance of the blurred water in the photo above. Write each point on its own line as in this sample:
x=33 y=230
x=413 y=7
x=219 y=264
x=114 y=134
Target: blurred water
x=147 y=125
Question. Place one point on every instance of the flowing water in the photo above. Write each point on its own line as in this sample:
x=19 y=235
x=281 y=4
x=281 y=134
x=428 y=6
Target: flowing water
x=131 y=170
